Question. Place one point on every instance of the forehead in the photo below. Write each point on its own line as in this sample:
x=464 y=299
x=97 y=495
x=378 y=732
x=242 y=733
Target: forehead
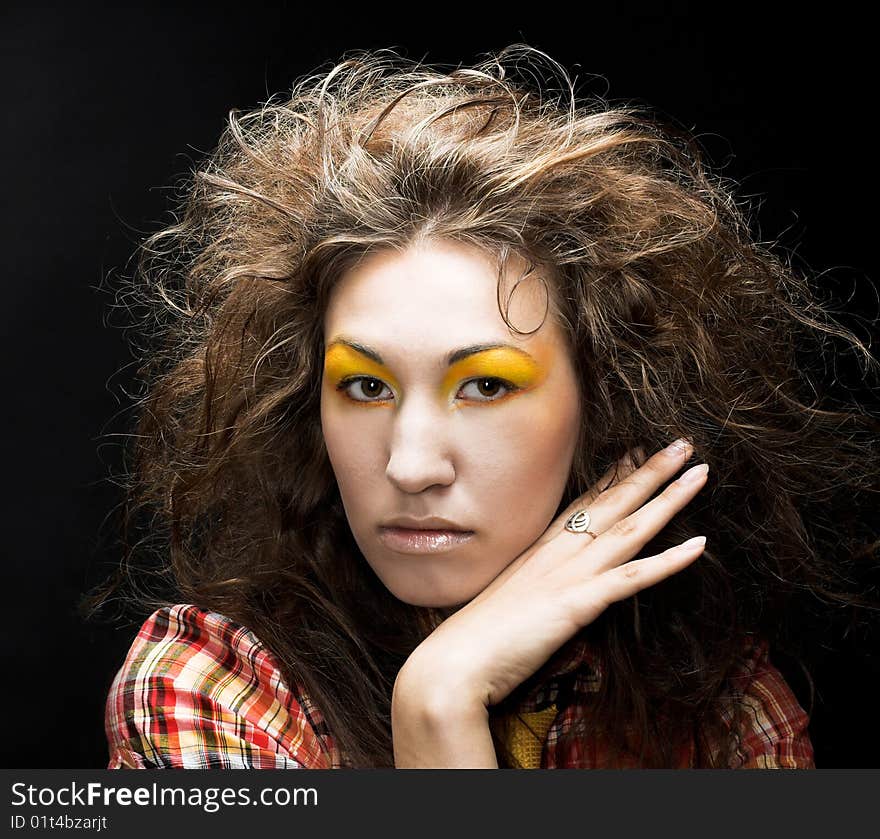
x=436 y=295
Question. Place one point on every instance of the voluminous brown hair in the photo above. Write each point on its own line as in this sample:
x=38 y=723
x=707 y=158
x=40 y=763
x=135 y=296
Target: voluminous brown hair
x=680 y=323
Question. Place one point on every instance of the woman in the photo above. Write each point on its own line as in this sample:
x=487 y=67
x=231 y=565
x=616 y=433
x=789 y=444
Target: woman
x=425 y=339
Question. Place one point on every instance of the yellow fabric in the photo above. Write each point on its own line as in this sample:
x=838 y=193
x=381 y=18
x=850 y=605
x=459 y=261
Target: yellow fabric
x=526 y=736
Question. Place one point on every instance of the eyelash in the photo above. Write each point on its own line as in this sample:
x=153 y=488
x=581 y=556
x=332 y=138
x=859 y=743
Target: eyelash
x=509 y=387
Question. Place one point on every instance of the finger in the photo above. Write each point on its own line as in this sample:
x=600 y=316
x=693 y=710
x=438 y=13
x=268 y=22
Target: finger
x=619 y=471
x=612 y=475
x=632 y=577
x=629 y=534
x=634 y=487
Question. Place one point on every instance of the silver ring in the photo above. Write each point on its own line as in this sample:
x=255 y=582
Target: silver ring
x=579 y=522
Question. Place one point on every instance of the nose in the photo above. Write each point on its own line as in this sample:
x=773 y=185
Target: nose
x=419 y=457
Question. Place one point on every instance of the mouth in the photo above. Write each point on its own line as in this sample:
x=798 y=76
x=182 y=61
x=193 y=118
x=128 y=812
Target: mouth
x=407 y=540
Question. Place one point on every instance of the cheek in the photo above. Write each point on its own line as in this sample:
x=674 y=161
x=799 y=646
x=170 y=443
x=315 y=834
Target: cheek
x=538 y=430
x=523 y=456
x=351 y=447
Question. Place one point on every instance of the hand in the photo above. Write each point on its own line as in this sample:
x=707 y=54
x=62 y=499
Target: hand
x=560 y=584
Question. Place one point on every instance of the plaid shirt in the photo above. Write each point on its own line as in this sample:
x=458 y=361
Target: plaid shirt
x=198 y=691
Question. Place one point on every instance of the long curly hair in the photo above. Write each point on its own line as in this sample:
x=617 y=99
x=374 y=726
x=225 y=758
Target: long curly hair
x=680 y=323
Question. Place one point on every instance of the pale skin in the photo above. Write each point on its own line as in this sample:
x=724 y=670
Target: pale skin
x=486 y=442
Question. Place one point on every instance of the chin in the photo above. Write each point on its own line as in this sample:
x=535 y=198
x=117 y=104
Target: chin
x=449 y=602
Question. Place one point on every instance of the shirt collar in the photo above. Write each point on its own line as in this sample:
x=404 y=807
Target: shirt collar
x=576 y=667
x=577 y=654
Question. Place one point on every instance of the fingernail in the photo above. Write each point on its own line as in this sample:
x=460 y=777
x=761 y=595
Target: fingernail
x=693 y=543
x=695 y=473
x=678 y=448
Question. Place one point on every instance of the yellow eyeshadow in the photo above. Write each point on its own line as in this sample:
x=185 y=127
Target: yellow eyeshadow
x=342 y=361
x=516 y=367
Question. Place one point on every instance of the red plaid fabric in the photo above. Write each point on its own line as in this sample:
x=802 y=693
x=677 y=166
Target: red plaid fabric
x=198 y=691
x=776 y=736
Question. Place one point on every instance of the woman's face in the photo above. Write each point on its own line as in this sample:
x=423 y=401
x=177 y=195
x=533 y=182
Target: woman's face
x=432 y=409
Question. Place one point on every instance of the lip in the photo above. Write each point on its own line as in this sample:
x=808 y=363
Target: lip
x=426 y=523
x=421 y=540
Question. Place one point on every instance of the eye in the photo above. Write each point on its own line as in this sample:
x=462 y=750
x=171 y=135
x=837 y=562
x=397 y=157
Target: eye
x=364 y=389
x=487 y=389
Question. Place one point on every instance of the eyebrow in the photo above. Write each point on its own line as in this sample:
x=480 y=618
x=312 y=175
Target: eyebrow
x=451 y=357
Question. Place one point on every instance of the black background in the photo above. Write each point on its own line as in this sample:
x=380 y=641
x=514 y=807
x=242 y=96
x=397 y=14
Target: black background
x=104 y=107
